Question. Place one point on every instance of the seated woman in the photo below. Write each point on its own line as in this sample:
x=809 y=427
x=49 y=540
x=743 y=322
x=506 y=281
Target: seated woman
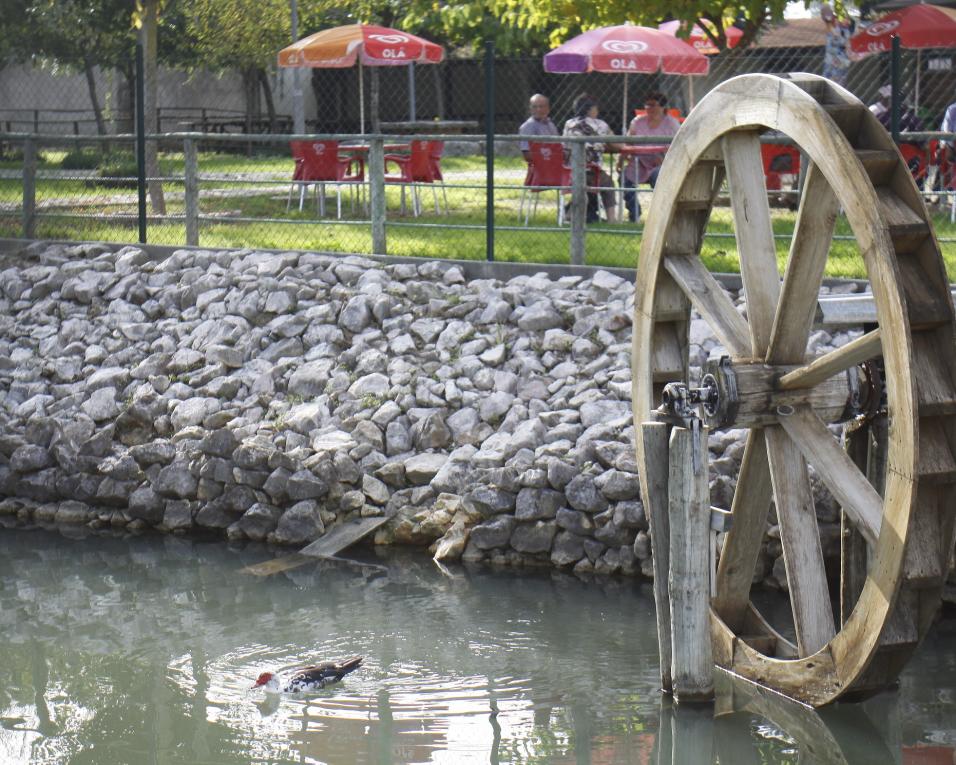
x=585 y=122
x=645 y=167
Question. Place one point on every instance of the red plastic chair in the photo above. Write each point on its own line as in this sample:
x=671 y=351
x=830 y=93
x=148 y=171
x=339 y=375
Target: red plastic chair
x=675 y=113
x=318 y=163
x=940 y=176
x=915 y=157
x=778 y=160
x=546 y=172
x=421 y=165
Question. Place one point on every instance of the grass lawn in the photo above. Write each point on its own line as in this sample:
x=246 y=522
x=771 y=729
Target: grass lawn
x=243 y=205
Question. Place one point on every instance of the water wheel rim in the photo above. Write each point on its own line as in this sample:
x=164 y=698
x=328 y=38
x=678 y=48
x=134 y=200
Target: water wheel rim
x=763 y=101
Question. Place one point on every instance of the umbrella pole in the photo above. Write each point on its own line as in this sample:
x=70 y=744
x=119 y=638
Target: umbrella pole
x=620 y=191
x=361 y=99
x=624 y=108
x=916 y=105
x=690 y=91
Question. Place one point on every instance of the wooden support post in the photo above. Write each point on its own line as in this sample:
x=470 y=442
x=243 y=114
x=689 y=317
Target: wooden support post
x=663 y=742
x=868 y=448
x=654 y=437
x=191 y=192
x=692 y=734
x=689 y=579
x=579 y=203
x=29 y=188
x=376 y=178
x=720 y=521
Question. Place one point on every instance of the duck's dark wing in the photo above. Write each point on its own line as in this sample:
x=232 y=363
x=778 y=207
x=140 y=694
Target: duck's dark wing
x=328 y=670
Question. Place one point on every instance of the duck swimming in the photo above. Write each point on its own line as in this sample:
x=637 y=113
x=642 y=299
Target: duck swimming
x=308 y=679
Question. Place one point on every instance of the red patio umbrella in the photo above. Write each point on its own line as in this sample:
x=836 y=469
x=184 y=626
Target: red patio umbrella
x=699 y=39
x=625 y=49
x=917 y=26
x=368 y=44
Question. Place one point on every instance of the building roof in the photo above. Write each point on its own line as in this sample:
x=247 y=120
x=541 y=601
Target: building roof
x=794 y=33
x=892 y=5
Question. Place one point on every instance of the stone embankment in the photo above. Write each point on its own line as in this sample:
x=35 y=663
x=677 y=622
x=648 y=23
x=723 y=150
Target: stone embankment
x=270 y=396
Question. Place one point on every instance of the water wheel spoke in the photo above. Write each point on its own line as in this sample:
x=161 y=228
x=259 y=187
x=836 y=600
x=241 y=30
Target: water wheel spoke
x=859 y=500
x=711 y=302
x=855 y=352
x=755 y=244
x=809 y=249
x=800 y=537
x=738 y=557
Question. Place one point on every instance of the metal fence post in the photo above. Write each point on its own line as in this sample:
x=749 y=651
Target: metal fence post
x=376 y=179
x=490 y=150
x=895 y=95
x=192 y=192
x=579 y=203
x=29 y=188
x=141 y=142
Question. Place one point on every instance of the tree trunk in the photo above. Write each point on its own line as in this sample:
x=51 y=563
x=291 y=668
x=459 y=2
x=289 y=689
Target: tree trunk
x=438 y=73
x=373 y=99
x=250 y=86
x=94 y=99
x=125 y=120
x=150 y=24
x=267 y=94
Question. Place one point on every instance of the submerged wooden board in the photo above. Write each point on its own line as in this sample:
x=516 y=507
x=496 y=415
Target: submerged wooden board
x=328 y=546
x=344 y=535
x=277 y=565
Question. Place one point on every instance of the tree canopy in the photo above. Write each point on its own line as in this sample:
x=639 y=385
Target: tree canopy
x=566 y=18
x=239 y=34
x=67 y=33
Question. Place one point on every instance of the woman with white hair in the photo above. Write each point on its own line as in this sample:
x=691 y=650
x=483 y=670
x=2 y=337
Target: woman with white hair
x=585 y=122
x=836 y=57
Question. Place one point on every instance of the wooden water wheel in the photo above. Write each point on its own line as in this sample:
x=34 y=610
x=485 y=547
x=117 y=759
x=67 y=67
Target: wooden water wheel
x=769 y=384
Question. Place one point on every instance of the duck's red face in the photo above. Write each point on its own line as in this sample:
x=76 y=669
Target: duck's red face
x=264 y=678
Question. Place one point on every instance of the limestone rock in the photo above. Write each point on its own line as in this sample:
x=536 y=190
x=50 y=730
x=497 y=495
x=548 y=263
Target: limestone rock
x=451 y=546
x=176 y=480
x=259 y=520
x=534 y=537
x=582 y=493
x=300 y=524
x=566 y=549
x=494 y=533
x=422 y=468
x=537 y=504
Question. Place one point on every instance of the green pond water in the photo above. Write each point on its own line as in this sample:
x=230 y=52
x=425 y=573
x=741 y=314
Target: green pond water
x=142 y=650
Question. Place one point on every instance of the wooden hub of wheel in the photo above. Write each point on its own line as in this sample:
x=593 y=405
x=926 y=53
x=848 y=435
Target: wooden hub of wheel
x=747 y=395
x=897 y=500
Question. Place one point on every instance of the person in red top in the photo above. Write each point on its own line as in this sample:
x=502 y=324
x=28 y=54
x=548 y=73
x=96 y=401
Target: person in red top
x=644 y=168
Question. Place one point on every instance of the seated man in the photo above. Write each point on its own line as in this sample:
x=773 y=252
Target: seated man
x=645 y=167
x=539 y=123
x=585 y=122
x=909 y=120
x=946 y=146
x=949 y=119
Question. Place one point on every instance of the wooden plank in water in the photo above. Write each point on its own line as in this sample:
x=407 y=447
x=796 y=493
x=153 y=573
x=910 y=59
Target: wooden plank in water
x=327 y=546
x=277 y=565
x=344 y=535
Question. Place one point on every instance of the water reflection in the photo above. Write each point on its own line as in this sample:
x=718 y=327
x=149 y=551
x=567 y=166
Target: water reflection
x=142 y=649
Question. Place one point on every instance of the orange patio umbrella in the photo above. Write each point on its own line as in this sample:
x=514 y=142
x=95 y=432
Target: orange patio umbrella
x=368 y=44
x=699 y=39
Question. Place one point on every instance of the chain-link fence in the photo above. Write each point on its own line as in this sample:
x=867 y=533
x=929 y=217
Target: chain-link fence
x=234 y=182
